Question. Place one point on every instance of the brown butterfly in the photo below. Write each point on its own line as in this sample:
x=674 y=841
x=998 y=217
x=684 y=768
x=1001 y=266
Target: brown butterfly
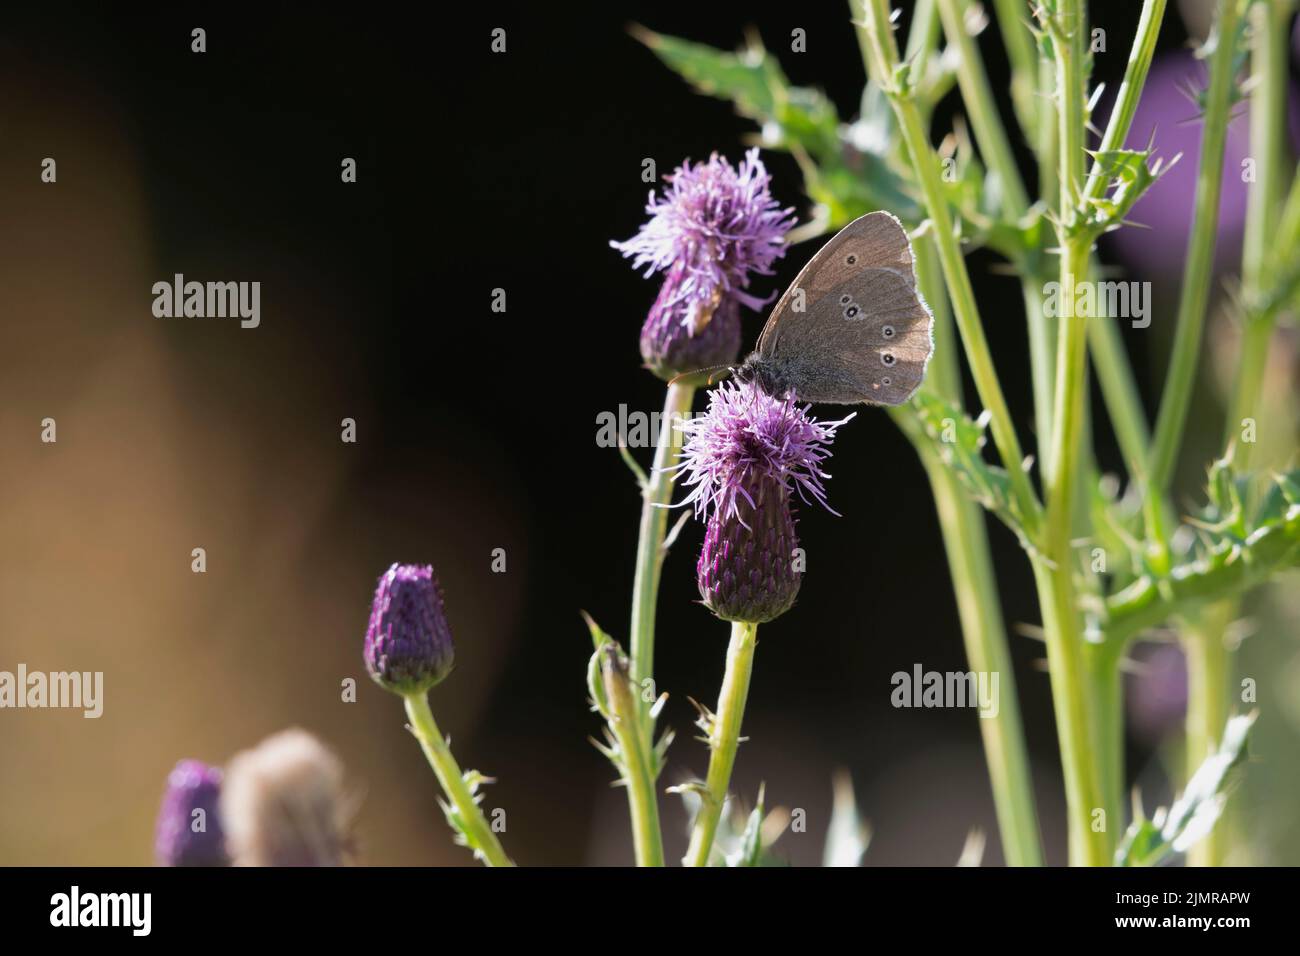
x=852 y=327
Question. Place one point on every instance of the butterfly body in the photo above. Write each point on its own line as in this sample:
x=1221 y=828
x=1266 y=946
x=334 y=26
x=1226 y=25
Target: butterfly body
x=852 y=328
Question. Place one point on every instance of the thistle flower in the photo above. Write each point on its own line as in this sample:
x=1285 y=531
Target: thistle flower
x=283 y=804
x=714 y=227
x=189 y=830
x=408 y=646
x=742 y=460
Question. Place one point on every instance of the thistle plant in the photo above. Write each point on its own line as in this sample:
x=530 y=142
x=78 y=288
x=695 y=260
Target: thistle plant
x=1157 y=569
x=1113 y=557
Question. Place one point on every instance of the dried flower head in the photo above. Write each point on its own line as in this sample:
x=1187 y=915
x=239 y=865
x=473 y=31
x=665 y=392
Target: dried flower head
x=741 y=461
x=189 y=831
x=283 y=804
x=408 y=646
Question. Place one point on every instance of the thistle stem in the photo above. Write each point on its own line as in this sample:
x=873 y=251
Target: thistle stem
x=477 y=831
x=724 y=738
x=1207 y=709
x=639 y=779
x=649 y=549
x=970 y=565
x=1198 y=271
x=1054 y=571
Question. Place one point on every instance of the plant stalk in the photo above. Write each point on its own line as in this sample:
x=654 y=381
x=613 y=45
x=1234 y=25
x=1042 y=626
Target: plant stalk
x=478 y=832
x=724 y=739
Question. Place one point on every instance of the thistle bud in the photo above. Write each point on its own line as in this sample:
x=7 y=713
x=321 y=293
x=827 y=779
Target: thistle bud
x=408 y=646
x=680 y=336
x=746 y=571
x=189 y=832
x=283 y=804
x=742 y=459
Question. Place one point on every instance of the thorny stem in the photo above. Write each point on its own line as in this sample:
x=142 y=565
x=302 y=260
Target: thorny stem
x=477 y=831
x=1197 y=272
x=970 y=564
x=724 y=739
x=884 y=62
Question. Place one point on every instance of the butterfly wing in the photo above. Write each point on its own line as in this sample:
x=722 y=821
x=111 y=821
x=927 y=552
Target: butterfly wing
x=864 y=334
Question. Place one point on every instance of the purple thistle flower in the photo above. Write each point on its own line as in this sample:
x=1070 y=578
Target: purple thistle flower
x=408 y=646
x=189 y=830
x=741 y=460
x=671 y=345
x=714 y=227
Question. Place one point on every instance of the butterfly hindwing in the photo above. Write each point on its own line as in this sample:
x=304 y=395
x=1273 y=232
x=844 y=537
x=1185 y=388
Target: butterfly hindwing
x=864 y=333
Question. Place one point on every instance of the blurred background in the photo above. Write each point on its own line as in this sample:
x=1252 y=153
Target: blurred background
x=475 y=431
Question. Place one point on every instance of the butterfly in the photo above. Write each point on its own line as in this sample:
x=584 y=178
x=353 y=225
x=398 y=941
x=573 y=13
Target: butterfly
x=852 y=327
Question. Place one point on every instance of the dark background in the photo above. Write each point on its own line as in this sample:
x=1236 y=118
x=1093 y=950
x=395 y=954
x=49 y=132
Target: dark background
x=476 y=171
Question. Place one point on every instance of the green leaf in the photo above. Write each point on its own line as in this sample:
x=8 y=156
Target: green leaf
x=958 y=441
x=1194 y=814
x=1129 y=173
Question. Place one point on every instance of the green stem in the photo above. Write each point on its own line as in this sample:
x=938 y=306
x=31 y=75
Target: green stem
x=1198 y=271
x=1119 y=392
x=1104 y=684
x=982 y=109
x=477 y=832
x=649 y=549
x=1208 y=673
x=884 y=61
x=1013 y=20
x=1130 y=90
x=1054 y=571
x=724 y=739
x=970 y=564
x=1263 y=206
x=636 y=767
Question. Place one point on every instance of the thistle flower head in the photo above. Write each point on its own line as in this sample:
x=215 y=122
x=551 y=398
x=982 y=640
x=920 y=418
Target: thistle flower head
x=720 y=223
x=741 y=461
x=748 y=436
x=408 y=646
x=189 y=830
x=283 y=804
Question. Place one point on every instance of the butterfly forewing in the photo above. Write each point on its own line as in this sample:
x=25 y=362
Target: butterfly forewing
x=864 y=333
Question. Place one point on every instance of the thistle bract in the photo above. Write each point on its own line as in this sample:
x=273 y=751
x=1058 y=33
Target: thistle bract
x=742 y=461
x=681 y=336
x=189 y=832
x=408 y=646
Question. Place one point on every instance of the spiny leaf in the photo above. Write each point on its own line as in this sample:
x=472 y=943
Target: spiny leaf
x=1194 y=814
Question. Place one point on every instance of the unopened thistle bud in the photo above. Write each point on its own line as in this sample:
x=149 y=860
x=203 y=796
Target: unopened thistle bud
x=714 y=228
x=742 y=460
x=283 y=804
x=189 y=831
x=408 y=646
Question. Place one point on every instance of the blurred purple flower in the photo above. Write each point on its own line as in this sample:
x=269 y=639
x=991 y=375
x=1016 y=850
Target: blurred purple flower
x=1157 y=693
x=1167 y=111
x=741 y=461
x=408 y=646
x=189 y=830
